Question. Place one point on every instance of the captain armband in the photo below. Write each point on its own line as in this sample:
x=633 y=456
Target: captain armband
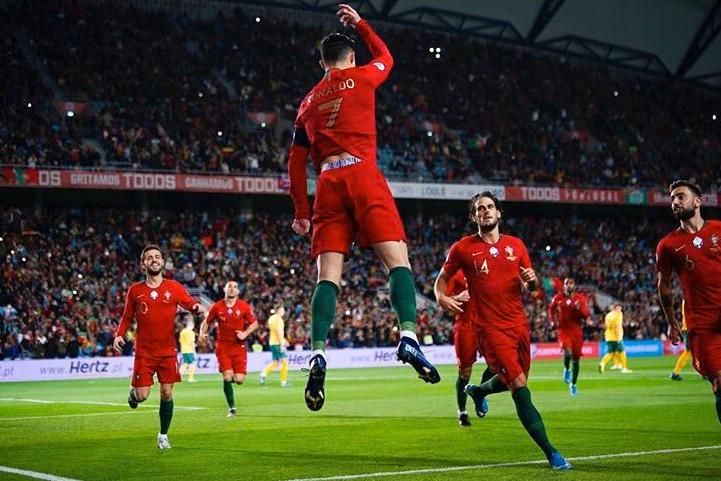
x=300 y=137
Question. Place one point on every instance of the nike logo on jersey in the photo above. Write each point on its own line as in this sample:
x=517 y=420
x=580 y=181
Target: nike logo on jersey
x=679 y=248
x=474 y=254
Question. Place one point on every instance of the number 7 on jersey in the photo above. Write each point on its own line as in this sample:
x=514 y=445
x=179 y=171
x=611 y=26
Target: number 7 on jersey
x=334 y=107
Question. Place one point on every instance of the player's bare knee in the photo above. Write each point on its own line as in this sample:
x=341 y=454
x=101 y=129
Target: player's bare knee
x=517 y=383
x=330 y=267
x=716 y=383
x=166 y=392
x=239 y=379
x=465 y=372
x=228 y=376
x=141 y=394
x=393 y=254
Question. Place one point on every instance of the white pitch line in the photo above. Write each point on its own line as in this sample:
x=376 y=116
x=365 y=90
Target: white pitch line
x=25 y=418
x=95 y=403
x=34 y=474
x=381 y=474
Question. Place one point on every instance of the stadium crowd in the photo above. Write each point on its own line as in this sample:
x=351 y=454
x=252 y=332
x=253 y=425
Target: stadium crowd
x=65 y=273
x=220 y=96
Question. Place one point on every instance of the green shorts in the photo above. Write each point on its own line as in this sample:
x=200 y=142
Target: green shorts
x=277 y=352
x=614 y=346
x=188 y=358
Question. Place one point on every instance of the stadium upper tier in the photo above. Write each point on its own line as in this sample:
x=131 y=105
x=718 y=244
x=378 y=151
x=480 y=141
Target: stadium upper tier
x=65 y=274
x=170 y=93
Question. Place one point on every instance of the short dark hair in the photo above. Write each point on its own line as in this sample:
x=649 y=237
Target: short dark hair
x=335 y=46
x=474 y=199
x=151 y=247
x=685 y=183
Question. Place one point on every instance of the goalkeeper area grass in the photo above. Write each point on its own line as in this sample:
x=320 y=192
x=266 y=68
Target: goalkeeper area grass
x=377 y=424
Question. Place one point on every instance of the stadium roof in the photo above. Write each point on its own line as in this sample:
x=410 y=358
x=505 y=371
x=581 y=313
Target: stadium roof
x=669 y=38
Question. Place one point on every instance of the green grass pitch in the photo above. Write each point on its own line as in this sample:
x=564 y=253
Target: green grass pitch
x=374 y=420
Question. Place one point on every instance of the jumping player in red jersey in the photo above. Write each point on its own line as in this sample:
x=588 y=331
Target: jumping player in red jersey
x=498 y=268
x=569 y=309
x=693 y=251
x=236 y=322
x=153 y=303
x=467 y=344
x=336 y=127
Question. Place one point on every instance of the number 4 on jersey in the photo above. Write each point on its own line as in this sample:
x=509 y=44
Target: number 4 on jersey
x=334 y=107
x=483 y=269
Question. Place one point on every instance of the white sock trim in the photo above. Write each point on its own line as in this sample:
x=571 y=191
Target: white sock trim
x=410 y=335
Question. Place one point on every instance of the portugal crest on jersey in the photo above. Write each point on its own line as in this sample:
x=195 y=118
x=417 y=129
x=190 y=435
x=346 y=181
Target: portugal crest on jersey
x=509 y=254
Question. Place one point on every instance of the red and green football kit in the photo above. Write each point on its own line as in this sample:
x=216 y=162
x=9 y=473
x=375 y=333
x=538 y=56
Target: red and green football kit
x=231 y=352
x=495 y=288
x=154 y=309
x=696 y=258
x=353 y=201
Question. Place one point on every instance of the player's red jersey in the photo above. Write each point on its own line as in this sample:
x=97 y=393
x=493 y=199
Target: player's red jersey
x=569 y=311
x=697 y=260
x=154 y=309
x=338 y=115
x=230 y=319
x=493 y=275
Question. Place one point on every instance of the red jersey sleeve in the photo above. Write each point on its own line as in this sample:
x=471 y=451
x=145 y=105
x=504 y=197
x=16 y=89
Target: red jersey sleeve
x=379 y=68
x=583 y=308
x=184 y=299
x=456 y=284
x=525 y=261
x=553 y=309
x=128 y=313
x=453 y=261
x=663 y=260
x=249 y=315
x=212 y=315
x=297 y=164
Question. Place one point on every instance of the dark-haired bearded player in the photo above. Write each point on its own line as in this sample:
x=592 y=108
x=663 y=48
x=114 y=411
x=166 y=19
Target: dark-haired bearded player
x=153 y=303
x=336 y=126
x=497 y=267
x=693 y=251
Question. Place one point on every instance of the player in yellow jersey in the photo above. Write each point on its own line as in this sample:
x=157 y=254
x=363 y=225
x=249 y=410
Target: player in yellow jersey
x=278 y=344
x=187 y=349
x=686 y=355
x=614 y=339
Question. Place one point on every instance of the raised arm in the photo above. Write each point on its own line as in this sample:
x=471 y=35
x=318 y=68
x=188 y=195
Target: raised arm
x=380 y=66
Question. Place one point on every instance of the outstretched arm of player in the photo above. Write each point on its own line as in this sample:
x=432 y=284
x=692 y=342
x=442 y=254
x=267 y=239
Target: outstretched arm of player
x=128 y=313
x=528 y=275
x=582 y=306
x=243 y=335
x=297 y=164
x=553 y=311
x=665 y=293
x=203 y=332
x=382 y=63
x=449 y=303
